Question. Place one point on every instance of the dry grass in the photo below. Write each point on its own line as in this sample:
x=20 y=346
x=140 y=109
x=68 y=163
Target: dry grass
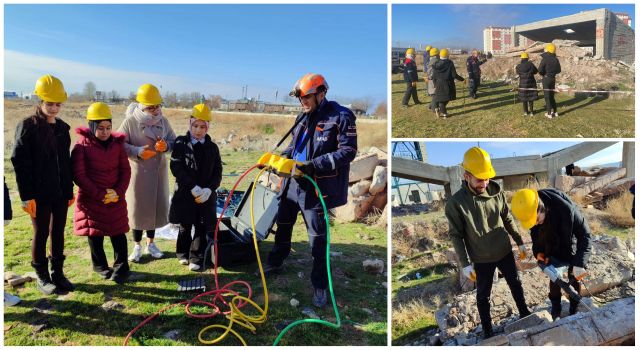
x=619 y=210
x=411 y=312
x=252 y=131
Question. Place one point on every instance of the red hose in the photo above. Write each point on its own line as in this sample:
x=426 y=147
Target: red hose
x=217 y=292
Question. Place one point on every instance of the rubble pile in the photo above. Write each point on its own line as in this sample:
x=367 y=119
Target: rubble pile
x=579 y=69
x=611 y=265
x=596 y=184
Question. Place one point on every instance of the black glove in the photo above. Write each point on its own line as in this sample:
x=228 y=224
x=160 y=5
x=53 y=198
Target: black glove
x=307 y=168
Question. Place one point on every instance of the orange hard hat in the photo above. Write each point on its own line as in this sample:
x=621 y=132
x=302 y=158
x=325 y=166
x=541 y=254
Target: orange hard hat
x=310 y=83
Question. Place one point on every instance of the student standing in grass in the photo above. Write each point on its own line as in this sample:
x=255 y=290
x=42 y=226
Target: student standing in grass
x=148 y=136
x=43 y=172
x=196 y=164
x=102 y=172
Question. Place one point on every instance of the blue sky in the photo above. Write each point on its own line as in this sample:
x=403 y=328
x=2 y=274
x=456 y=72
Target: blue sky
x=451 y=153
x=461 y=25
x=215 y=49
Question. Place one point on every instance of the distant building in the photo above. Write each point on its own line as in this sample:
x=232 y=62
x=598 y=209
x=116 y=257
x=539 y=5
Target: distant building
x=416 y=193
x=9 y=95
x=604 y=33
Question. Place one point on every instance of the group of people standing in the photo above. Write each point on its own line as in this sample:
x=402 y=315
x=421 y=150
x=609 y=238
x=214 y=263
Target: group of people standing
x=123 y=184
x=440 y=76
x=122 y=180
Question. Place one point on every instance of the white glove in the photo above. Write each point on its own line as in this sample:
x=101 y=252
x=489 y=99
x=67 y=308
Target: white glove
x=579 y=272
x=204 y=196
x=196 y=191
x=469 y=273
x=561 y=270
x=551 y=271
x=523 y=252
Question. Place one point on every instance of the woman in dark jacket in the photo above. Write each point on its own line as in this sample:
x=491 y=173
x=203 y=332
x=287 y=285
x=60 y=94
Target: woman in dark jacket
x=526 y=72
x=102 y=172
x=444 y=73
x=196 y=164
x=549 y=67
x=43 y=172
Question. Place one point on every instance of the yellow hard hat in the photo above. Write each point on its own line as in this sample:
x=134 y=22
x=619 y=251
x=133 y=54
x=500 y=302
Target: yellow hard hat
x=98 y=111
x=202 y=112
x=524 y=206
x=444 y=53
x=410 y=51
x=550 y=48
x=428 y=48
x=433 y=52
x=148 y=95
x=477 y=162
x=524 y=55
x=50 y=89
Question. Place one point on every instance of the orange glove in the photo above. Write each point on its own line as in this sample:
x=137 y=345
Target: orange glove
x=110 y=197
x=543 y=258
x=30 y=207
x=146 y=153
x=72 y=200
x=161 y=145
x=414 y=83
x=579 y=273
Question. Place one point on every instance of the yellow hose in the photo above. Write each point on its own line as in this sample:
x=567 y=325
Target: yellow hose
x=236 y=315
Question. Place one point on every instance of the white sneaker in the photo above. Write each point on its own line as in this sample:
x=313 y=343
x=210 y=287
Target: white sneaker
x=11 y=300
x=548 y=115
x=555 y=114
x=194 y=267
x=153 y=250
x=136 y=254
x=183 y=262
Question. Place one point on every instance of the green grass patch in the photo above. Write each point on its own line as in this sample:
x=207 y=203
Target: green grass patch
x=78 y=318
x=498 y=113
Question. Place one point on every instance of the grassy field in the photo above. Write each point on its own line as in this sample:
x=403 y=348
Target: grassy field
x=497 y=114
x=77 y=318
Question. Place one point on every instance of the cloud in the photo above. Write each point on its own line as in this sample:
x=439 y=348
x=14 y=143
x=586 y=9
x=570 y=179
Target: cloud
x=23 y=69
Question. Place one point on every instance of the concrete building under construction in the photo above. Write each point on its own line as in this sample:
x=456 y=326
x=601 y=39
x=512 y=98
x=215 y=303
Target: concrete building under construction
x=606 y=34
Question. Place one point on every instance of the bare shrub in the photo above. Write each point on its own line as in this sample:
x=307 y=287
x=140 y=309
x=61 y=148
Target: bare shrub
x=619 y=210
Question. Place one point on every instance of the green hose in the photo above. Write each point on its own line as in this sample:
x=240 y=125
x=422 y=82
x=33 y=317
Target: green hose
x=333 y=298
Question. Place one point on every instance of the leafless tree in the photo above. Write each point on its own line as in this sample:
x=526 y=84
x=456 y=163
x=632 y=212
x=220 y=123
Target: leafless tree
x=89 y=91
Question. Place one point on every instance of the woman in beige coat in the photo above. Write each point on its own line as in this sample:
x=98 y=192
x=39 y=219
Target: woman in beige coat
x=148 y=137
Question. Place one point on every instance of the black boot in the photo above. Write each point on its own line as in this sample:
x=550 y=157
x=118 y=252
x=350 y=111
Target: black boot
x=43 y=283
x=573 y=307
x=57 y=274
x=556 y=308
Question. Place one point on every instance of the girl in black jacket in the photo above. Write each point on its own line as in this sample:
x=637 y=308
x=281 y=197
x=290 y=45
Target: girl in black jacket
x=526 y=72
x=444 y=75
x=196 y=164
x=41 y=161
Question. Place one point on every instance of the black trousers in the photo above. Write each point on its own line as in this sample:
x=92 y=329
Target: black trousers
x=555 y=292
x=99 y=259
x=527 y=106
x=484 y=275
x=442 y=107
x=137 y=235
x=412 y=91
x=50 y=221
x=290 y=205
x=474 y=84
x=549 y=83
x=190 y=248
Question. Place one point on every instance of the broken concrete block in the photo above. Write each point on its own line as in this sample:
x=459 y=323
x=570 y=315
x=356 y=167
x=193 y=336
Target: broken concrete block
x=362 y=167
x=537 y=318
x=355 y=209
x=379 y=181
x=10 y=275
x=373 y=266
x=360 y=188
x=498 y=340
x=380 y=200
x=573 y=333
x=519 y=338
x=566 y=183
x=598 y=182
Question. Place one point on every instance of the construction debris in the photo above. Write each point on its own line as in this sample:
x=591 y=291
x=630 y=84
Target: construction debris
x=579 y=69
x=597 y=185
x=367 y=187
x=611 y=264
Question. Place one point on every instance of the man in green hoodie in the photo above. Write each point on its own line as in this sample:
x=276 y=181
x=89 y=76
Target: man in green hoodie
x=479 y=226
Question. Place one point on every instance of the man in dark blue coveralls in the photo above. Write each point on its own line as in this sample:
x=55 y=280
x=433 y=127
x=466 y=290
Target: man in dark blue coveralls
x=325 y=142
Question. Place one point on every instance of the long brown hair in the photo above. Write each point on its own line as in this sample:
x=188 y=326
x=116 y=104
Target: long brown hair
x=44 y=132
